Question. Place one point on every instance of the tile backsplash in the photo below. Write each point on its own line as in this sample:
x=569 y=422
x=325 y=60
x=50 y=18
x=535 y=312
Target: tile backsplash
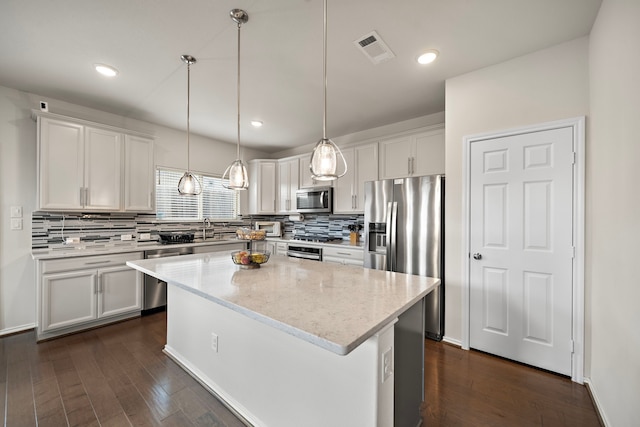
x=50 y=230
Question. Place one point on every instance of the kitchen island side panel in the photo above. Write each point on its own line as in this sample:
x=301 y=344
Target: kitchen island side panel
x=272 y=378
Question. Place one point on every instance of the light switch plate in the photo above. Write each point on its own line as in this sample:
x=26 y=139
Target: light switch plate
x=16 y=223
x=16 y=211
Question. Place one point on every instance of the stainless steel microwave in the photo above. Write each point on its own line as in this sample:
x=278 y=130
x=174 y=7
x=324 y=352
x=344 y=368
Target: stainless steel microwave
x=314 y=200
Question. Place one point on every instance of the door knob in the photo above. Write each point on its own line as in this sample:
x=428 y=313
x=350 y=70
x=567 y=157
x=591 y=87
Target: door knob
x=477 y=256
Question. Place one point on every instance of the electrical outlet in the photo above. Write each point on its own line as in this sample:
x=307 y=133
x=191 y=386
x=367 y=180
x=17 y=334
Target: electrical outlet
x=387 y=364
x=214 y=342
x=126 y=237
x=144 y=236
x=72 y=240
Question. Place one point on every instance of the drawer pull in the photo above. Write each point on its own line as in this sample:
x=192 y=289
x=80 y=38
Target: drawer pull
x=344 y=253
x=97 y=262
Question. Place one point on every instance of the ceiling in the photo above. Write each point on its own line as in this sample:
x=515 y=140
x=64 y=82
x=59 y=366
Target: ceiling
x=49 y=47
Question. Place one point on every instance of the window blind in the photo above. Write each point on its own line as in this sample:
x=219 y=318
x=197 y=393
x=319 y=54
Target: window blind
x=215 y=202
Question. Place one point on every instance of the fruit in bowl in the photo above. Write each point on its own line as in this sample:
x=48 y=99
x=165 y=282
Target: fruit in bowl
x=259 y=258
x=249 y=259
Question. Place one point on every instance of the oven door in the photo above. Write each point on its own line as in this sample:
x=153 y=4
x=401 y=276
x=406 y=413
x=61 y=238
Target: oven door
x=305 y=252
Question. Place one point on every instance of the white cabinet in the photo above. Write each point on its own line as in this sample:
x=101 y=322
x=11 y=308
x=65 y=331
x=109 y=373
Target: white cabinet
x=262 y=187
x=362 y=166
x=81 y=168
x=306 y=180
x=81 y=292
x=341 y=255
x=102 y=169
x=139 y=171
x=413 y=155
x=288 y=176
x=118 y=291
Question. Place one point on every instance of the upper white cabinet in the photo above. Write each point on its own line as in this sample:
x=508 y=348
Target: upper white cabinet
x=413 y=155
x=139 y=170
x=362 y=166
x=102 y=169
x=262 y=187
x=82 y=167
x=306 y=180
x=288 y=177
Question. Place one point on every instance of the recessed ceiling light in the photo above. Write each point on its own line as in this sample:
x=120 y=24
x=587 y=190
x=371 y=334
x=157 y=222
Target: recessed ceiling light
x=428 y=57
x=256 y=123
x=106 y=70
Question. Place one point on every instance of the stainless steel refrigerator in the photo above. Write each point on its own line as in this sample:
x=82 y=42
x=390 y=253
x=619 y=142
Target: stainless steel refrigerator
x=404 y=232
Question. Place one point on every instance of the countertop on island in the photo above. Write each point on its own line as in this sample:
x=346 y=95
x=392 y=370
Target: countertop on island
x=336 y=307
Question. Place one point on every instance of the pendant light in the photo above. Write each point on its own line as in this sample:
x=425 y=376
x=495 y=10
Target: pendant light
x=236 y=173
x=324 y=157
x=189 y=185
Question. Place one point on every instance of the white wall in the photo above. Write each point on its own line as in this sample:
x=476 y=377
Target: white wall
x=548 y=85
x=613 y=211
x=18 y=186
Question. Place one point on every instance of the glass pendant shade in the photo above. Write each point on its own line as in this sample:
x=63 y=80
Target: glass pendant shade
x=238 y=176
x=189 y=185
x=324 y=161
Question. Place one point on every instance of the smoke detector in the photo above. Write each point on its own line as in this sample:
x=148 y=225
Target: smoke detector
x=374 y=48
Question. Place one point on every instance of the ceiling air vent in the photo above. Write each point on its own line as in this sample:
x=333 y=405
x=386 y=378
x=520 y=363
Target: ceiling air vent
x=374 y=48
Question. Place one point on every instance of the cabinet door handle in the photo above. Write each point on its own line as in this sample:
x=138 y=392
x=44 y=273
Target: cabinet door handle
x=97 y=262
x=86 y=196
x=81 y=196
x=409 y=165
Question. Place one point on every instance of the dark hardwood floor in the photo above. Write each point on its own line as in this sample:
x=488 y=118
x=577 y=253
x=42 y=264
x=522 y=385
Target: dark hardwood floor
x=118 y=376
x=471 y=388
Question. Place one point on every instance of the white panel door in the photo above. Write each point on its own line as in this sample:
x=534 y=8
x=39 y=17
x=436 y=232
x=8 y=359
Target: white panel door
x=68 y=299
x=521 y=242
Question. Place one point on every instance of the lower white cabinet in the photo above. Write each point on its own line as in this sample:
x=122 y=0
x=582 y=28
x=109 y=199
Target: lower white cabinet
x=82 y=292
x=281 y=248
x=341 y=255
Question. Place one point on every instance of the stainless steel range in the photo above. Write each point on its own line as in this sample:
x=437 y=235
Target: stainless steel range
x=301 y=250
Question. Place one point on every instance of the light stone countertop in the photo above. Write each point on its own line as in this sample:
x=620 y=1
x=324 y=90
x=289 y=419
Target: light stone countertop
x=79 y=250
x=337 y=307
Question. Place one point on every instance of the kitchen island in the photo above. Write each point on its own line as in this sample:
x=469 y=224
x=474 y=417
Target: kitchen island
x=292 y=343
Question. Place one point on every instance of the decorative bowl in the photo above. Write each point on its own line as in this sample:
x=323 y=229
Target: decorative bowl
x=246 y=259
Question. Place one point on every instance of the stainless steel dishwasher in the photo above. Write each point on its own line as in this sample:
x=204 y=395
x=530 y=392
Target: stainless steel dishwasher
x=155 y=290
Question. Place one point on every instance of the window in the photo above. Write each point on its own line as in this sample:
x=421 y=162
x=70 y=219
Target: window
x=215 y=201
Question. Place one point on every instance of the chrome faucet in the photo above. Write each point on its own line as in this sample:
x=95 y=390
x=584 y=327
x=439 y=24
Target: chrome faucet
x=205 y=224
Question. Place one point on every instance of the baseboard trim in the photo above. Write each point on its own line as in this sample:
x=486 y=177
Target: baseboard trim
x=17 y=329
x=596 y=402
x=452 y=341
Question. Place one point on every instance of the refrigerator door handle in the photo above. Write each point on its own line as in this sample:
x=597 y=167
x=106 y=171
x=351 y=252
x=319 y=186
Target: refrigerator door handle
x=388 y=236
x=393 y=232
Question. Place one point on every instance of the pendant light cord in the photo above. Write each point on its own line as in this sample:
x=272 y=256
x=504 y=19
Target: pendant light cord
x=324 y=72
x=238 y=94
x=188 y=106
